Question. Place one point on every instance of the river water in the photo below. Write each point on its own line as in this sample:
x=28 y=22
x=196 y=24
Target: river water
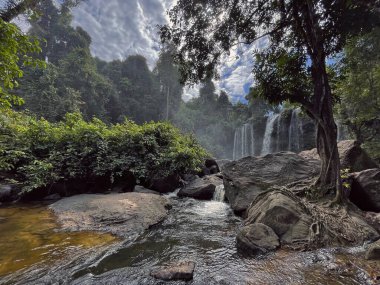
x=200 y=231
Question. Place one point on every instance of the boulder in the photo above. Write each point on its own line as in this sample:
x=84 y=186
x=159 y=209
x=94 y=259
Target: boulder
x=283 y=214
x=165 y=184
x=256 y=239
x=246 y=178
x=201 y=188
x=141 y=189
x=183 y=270
x=352 y=156
x=222 y=162
x=120 y=214
x=9 y=192
x=124 y=183
x=52 y=197
x=373 y=251
x=365 y=189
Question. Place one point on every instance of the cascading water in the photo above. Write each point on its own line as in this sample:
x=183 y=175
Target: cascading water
x=244 y=141
x=267 y=142
x=219 y=193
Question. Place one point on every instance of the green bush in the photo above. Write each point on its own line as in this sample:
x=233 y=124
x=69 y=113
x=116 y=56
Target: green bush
x=39 y=153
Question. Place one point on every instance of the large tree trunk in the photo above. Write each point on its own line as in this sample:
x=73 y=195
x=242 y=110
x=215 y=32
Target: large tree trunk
x=329 y=177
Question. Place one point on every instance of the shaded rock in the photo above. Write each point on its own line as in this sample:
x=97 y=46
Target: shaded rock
x=189 y=177
x=183 y=270
x=352 y=156
x=201 y=188
x=256 y=239
x=210 y=167
x=284 y=215
x=165 y=184
x=246 y=178
x=9 y=192
x=365 y=189
x=52 y=197
x=124 y=183
x=141 y=189
x=373 y=251
x=222 y=162
x=121 y=214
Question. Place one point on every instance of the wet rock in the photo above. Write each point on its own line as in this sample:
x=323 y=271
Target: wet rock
x=120 y=214
x=183 y=270
x=141 y=189
x=283 y=214
x=256 y=239
x=165 y=184
x=246 y=178
x=365 y=189
x=373 y=251
x=189 y=177
x=201 y=188
x=352 y=156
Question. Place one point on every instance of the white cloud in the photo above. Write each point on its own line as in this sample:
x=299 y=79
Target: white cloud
x=120 y=28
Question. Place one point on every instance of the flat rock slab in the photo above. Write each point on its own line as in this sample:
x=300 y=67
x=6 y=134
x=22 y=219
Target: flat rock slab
x=120 y=214
x=182 y=270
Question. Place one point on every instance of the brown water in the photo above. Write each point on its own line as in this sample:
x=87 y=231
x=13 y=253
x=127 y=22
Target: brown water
x=32 y=252
x=28 y=236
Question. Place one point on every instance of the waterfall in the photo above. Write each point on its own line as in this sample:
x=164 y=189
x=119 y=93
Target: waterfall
x=244 y=141
x=294 y=132
x=267 y=142
x=219 y=193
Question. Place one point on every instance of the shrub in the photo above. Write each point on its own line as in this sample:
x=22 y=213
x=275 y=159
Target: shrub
x=39 y=153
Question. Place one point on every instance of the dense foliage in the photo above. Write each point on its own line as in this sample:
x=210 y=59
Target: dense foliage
x=39 y=153
x=358 y=86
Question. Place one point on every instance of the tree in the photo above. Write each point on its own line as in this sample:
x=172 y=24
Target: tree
x=358 y=84
x=16 y=50
x=12 y=8
x=302 y=34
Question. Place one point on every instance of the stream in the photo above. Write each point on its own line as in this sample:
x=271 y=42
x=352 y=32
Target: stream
x=34 y=252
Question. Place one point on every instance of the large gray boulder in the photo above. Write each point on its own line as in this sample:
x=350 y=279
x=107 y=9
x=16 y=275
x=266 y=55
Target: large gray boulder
x=256 y=239
x=201 y=188
x=283 y=214
x=352 y=156
x=365 y=189
x=120 y=214
x=246 y=178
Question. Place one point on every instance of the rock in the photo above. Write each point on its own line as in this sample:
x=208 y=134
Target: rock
x=222 y=162
x=256 y=239
x=120 y=214
x=287 y=218
x=141 y=189
x=248 y=177
x=124 y=183
x=210 y=167
x=9 y=192
x=352 y=156
x=52 y=197
x=183 y=270
x=189 y=177
x=201 y=188
x=165 y=184
x=365 y=189
x=373 y=251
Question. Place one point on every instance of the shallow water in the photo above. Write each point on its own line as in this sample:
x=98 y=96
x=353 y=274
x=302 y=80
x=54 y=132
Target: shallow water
x=204 y=232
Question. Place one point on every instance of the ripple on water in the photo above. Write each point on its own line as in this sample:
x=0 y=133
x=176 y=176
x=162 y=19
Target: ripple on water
x=204 y=232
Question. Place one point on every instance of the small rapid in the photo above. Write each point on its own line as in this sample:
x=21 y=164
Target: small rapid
x=203 y=232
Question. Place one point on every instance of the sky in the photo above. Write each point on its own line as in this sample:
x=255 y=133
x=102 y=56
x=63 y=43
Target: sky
x=120 y=28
